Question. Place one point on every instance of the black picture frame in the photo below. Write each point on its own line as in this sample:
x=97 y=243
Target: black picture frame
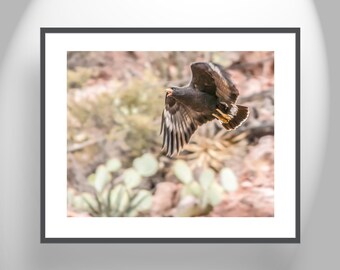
x=44 y=31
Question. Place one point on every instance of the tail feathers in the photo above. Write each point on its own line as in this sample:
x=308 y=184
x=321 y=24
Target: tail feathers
x=238 y=119
x=234 y=117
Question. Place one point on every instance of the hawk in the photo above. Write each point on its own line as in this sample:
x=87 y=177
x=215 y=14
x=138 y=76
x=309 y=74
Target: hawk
x=210 y=95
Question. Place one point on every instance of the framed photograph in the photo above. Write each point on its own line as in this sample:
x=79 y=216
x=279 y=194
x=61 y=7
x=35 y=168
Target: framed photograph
x=170 y=135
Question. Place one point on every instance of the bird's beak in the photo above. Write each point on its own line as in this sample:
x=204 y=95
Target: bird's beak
x=169 y=92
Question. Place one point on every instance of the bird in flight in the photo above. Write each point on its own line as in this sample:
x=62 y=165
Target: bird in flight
x=210 y=95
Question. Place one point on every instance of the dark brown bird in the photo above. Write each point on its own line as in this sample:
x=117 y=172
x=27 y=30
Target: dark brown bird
x=210 y=95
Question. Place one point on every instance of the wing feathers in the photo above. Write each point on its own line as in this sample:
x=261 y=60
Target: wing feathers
x=177 y=128
x=213 y=79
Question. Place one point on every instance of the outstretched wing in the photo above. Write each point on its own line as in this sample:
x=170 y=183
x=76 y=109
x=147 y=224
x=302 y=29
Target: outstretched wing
x=213 y=79
x=178 y=125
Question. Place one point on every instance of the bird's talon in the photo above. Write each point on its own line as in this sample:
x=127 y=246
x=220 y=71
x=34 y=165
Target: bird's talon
x=221 y=119
x=226 y=116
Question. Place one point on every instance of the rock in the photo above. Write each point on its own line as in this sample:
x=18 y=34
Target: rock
x=164 y=198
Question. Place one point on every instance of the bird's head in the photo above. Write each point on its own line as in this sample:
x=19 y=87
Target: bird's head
x=173 y=91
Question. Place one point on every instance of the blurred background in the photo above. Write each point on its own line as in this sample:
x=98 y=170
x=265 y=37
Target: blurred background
x=115 y=164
